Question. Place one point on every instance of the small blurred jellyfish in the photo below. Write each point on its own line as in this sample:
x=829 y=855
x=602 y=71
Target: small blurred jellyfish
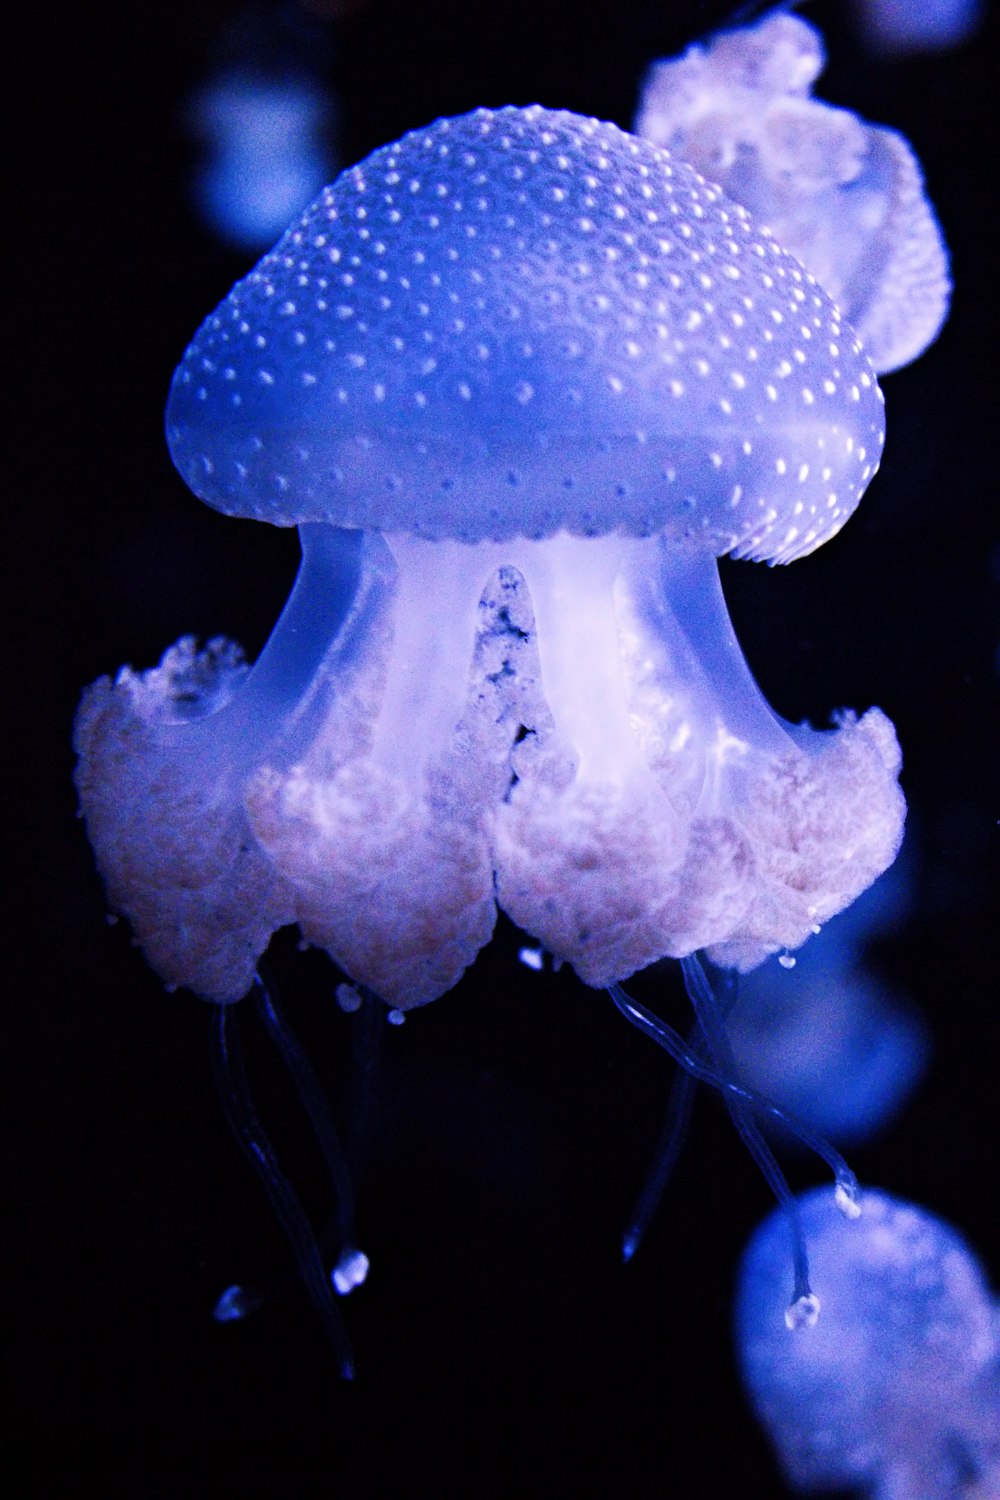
x=895 y=1392
x=266 y=119
x=518 y=378
x=919 y=25
x=844 y=197
x=822 y=1036
x=267 y=155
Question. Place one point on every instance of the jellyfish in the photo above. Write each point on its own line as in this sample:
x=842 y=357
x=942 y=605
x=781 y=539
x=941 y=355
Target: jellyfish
x=264 y=115
x=266 y=159
x=519 y=379
x=845 y=197
x=895 y=1392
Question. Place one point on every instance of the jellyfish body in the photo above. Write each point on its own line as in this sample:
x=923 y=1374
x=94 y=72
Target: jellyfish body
x=845 y=197
x=828 y=1043
x=519 y=378
x=895 y=1391
x=266 y=157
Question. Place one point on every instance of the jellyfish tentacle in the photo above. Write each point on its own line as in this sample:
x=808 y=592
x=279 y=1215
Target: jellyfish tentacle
x=314 y=1102
x=684 y=1053
x=804 y=1307
x=847 y=1192
x=673 y=1133
x=241 y=1115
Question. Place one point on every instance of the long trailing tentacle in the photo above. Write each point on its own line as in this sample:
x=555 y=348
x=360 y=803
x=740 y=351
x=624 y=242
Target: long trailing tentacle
x=352 y=1264
x=673 y=1134
x=804 y=1307
x=710 y=1060
x=241 y=1114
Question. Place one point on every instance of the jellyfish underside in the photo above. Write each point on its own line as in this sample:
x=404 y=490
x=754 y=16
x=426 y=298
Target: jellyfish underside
x=387 y=772
x=571 y=732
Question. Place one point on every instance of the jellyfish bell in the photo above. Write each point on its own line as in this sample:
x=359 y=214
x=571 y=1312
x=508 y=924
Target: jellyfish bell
x=822 y=1033
x=845 y=197
x=519 y=378
x=265 y=153
x=895 y=1392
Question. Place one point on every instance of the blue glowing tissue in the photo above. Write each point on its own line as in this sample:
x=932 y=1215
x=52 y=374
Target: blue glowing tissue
x=895 y=1390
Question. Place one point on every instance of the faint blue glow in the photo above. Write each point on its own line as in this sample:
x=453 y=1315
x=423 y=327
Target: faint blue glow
x=919 y=25
x=828 y=1040
x=266 y=156
x=235 y=1303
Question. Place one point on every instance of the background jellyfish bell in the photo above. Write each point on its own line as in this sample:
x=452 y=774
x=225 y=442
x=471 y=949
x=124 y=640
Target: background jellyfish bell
x=896 y=1392
x=845 y=197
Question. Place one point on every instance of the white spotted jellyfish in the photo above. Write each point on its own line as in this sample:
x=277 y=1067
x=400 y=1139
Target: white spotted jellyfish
x=519 y=379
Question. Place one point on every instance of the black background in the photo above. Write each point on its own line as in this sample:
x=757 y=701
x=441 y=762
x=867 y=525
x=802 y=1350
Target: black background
x=502 y=1349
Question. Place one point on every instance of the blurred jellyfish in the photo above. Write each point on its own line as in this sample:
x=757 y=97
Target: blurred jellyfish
x=267 y=153
x=895 y=1392
x=825 y=1038
x=266 y=118
x=919 y=25
x=846 y=198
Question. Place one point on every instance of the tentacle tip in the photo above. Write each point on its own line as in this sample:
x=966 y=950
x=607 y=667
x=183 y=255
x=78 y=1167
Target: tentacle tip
x=235 y=1303
x=847 y=1197
x=350 y=1271
x=803 y=1312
